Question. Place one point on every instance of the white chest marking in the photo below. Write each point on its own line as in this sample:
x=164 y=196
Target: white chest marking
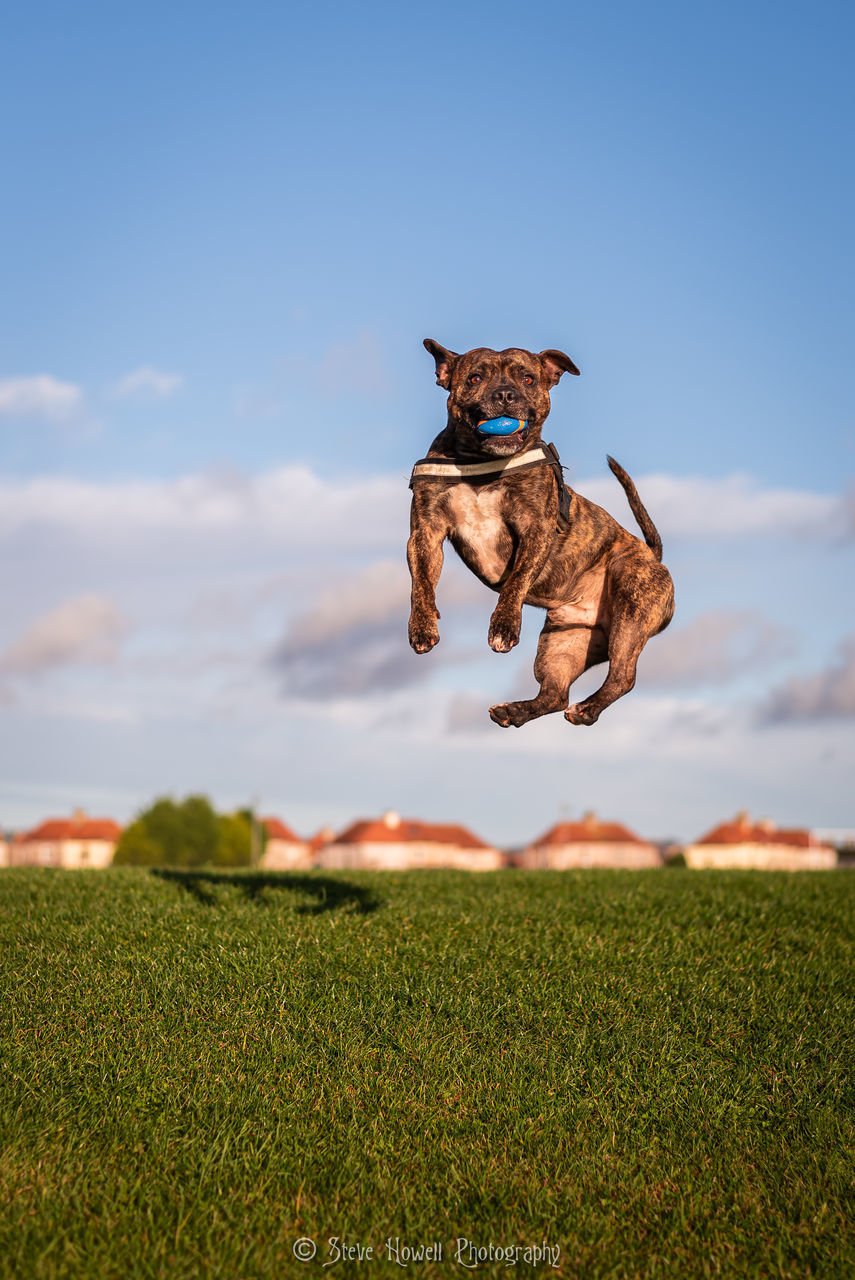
x=478 y=531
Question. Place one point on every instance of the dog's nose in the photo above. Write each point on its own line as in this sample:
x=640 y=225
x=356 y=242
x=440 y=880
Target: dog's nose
x=504 y=395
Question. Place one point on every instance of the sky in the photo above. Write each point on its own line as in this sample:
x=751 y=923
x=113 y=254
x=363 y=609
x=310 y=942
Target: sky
x=225 y=231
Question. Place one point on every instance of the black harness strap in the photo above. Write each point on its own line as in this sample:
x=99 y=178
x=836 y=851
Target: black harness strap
x=564 y=494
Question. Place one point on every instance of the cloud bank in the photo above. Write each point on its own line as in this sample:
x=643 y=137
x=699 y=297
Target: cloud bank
x=828 y=694
x=352 y=641
x=714 y=648
x=733 y=506
x=294 y=502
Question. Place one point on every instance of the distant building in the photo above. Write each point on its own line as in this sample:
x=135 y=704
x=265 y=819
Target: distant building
x=394 y=843
x=78 y=841
x=589 y=843
x=283 y=851
x=318 y=841
x=4 y=850
x=743 y=843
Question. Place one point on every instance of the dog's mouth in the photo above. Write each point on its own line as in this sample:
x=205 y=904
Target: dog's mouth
x=501 y=426
x=499 y=436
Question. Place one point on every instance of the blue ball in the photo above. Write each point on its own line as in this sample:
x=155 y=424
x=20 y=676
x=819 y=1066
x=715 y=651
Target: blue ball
x=501 y=426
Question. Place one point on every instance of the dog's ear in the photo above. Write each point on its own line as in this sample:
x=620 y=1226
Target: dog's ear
x=555 y=363
x=445 y=362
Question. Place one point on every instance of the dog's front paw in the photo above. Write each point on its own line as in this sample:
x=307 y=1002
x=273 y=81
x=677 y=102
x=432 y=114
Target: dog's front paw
x=580 y=714
x=504 y=633
x=423 y=635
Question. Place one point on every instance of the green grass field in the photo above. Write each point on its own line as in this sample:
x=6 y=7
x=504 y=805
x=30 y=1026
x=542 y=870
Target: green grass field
x=651 y=1071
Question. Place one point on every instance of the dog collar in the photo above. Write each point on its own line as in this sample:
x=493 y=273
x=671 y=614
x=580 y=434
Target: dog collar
x=540 y=455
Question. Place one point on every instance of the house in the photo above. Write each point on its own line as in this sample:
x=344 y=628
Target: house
x=283 y=851
x=395 y=843
x=318 y=841
x=78 y=841
x=588 y=843
x=743 y=843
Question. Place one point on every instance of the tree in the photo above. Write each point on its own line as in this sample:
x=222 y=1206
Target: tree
x=234 y=848
x=135 y=848
x=188 y=833
x=170 y=833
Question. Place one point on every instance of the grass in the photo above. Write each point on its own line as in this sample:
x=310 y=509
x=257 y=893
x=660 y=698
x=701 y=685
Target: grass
x=650 y=1070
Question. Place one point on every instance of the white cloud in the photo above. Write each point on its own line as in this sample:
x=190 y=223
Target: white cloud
x=828 y=694
x=148 y=382
x=714 y=648
x=41 y=396
x=86 y=629
x=288 y=504
x=294 y=502
x=353 y=641
x=734 y=506
x=371 y=598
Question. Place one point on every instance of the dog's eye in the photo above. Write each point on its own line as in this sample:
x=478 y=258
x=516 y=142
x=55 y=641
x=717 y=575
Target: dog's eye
x=474 y=379
x=528 y=379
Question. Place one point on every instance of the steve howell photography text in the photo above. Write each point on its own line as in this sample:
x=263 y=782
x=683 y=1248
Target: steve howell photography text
x=462 y=1252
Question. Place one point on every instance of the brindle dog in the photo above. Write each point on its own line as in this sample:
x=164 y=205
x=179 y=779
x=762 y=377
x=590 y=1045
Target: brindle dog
x=604 y=591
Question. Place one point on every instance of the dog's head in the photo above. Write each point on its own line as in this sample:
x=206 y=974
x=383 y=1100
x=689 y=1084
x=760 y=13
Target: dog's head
x=484 y=384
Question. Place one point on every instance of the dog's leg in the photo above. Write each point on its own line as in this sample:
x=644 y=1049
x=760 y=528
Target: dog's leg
x=534 y=542
x=625 y=644
x=563 y=653
x=424 y=556
x=642 y=607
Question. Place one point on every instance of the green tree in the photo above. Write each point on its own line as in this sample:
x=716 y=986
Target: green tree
x=172 y=834
x=234 y=848
x=135 y=848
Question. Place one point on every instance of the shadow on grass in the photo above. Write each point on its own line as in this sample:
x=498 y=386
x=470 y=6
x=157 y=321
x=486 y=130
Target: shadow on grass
x=330 y=894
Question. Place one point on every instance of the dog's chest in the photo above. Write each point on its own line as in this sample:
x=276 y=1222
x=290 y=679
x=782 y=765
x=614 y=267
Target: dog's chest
x=479 y=533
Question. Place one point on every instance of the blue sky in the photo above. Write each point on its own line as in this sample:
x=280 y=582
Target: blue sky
x=226 y=230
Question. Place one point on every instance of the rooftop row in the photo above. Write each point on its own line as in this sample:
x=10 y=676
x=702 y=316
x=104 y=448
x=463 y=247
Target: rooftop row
x=392 y=842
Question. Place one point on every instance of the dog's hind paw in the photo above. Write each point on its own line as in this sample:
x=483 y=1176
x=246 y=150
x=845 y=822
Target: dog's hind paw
x=506 y=714
x=580 y=714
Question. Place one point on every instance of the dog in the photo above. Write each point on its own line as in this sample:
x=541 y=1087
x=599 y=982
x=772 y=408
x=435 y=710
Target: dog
x=501 y=501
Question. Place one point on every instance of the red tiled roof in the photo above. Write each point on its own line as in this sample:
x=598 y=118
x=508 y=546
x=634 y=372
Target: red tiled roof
x=408 y=831
x=741 y=830
x=588 y=830
x=277 y=830
x=82 y=828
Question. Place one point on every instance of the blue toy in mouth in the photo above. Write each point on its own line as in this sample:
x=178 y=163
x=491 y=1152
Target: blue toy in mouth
x=501 y=426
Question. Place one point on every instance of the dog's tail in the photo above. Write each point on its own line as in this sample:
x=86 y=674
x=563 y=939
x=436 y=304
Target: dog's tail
x=645 y=524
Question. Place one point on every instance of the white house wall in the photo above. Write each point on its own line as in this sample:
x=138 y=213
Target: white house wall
x=763 y=857
x=402 y=857
x=69 y=854
x=594 y=853
x=286 y=855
